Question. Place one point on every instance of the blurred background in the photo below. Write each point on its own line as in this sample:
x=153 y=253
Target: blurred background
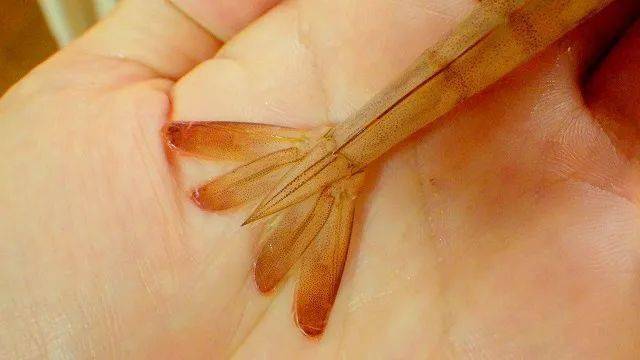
x=32 y=30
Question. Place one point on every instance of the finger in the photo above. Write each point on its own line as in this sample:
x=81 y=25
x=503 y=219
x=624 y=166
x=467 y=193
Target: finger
x=171 y=37
x=159 y=38
x=155 y=34
x=224 y=18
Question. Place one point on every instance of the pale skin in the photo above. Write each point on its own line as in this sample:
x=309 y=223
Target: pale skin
x=304 y=177
x=507 y=229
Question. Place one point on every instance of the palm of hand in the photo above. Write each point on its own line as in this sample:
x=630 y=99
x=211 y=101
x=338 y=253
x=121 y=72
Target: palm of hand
x=508 y=228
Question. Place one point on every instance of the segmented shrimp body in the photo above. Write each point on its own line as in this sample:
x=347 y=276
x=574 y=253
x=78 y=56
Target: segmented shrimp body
x=309 y=179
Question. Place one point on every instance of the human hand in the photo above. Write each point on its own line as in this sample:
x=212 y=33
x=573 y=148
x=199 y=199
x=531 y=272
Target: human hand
x=508 y=229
